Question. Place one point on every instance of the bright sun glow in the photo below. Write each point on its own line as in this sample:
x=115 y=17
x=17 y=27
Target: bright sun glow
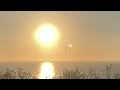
x=47 y=71
x=70 y=45
x=46 y=34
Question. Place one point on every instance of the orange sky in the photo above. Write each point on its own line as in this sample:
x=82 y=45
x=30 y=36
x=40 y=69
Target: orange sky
x=94 y=35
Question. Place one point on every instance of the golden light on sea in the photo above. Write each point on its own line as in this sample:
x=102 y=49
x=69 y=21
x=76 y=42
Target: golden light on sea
x=46 y=71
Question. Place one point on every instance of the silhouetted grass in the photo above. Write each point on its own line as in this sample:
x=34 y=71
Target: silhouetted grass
x=66 y=74
x=10 y=74
x=91 y=74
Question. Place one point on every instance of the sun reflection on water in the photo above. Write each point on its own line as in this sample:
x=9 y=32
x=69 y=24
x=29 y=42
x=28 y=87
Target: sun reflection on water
x=46 y=71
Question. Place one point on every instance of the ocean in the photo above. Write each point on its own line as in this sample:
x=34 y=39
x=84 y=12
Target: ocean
x=34 y=67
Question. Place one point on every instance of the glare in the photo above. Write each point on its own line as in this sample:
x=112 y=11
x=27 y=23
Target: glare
x=47 y=71
x=70 y=45
x=46 y=34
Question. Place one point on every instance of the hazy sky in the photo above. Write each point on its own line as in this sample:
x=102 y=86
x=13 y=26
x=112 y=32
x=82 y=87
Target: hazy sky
x=94 y=35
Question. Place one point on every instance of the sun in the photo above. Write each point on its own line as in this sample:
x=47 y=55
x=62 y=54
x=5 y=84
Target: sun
x=46 y=34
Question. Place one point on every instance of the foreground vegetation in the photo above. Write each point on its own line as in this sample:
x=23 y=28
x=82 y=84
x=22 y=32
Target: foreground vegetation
x=67 y=74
